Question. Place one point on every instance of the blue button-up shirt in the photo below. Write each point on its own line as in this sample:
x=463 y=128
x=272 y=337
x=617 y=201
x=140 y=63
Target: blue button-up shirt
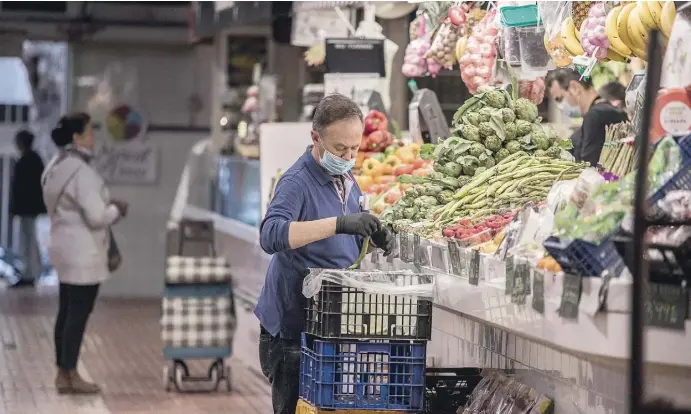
x=305 y=192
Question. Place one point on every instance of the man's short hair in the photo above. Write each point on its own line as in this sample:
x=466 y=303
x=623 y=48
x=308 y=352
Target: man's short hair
x=334 y=108
x=25 y=138
x=613 y=91
x=564 y=76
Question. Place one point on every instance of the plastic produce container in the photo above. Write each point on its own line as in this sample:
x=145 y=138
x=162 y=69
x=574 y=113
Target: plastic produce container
x=512 y=47
x=534 y=56
x=519 y=16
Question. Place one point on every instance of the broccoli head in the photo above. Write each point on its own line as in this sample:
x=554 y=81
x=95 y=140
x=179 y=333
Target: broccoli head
x=477 y=149
x=525 y=110
x=508 y=115
x=473 y=118
x=486 y=160
x=470 y=163
x=470 y=132
x=495 y=98
x=480 y=170
x=486 y=129
x=523 y=127
x=501 y=154
x=540 y=153
x=510 y=131
x=554 y=152
x=485 y=114
x=540 y=140
x=493 y=143
x=513 y=147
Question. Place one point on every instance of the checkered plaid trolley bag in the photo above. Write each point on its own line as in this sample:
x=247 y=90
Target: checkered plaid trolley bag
x=198 y=320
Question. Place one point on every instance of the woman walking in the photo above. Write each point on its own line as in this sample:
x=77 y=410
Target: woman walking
x=81 y=213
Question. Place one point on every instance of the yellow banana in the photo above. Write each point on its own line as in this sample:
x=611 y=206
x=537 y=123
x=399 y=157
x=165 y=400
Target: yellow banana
x=637 y=32
x=568 y=36
x=644 y=15
x=655 y=9
x=669 y=13
x=612 y=54
x=623 y=24
x=613 y=34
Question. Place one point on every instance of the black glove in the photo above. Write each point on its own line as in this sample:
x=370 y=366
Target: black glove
x=384 y=240
x=361 y=224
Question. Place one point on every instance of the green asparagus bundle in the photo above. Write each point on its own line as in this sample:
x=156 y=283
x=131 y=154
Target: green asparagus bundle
x=619 y=152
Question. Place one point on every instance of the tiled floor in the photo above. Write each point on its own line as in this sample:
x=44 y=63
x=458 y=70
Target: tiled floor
x=121 y=352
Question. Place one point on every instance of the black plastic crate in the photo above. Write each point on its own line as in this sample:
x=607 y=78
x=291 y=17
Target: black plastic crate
x=447 y=389
x=338 y=311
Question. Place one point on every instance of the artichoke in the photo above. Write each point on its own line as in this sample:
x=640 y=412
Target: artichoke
x=525 y=110
x=554 y=152
x=523 y=127
x=507 y=115
x=439 y=167
x=470 y=132
x=495 y=98
x=540 y=140
x=433 y=190
x=510 y=131
x=463 y=180
x=502 y=153
x=409 y=212
x=486 y=129
x=473 y=118
x=470 y=163
x=453 y=169
x=486 y=161
x=493 y=143
x=477 y=149
x=479 y=170
x=434 y=175
x=485 y=114
x=513 y=147
x=540 y=153
x=445 y=197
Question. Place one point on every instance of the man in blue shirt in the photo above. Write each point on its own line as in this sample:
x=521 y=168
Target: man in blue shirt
x=313 y=221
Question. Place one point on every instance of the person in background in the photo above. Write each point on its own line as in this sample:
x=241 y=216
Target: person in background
x=81 y=213
x=314 y=221
x=26 y=204
x=615 y=93
x=576 y=97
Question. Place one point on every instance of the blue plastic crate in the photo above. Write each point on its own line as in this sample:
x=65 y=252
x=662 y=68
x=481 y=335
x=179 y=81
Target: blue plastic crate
x=370 y=375
x=580 y=257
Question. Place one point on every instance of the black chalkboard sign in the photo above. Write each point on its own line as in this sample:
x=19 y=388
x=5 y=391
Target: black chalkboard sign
x=521 y=284
x=510 y=275
x=474 y=267
x=355 y=55
x=666 y=306
x=539 y=291
x=454 y=257
x=571 y=297
x=404 y=252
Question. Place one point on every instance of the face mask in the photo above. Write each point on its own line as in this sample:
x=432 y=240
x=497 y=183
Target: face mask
x=336 y=165
x=572 y=111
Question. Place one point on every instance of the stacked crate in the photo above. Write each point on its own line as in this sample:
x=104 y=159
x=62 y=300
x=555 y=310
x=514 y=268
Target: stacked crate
x=364 y=351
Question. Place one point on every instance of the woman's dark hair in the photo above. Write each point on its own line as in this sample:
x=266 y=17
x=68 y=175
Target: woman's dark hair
x=68 y=125
x=25 y=139
x=564 y=76
x=613 y=91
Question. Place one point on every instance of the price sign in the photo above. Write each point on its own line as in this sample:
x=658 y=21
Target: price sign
x=571 y=297
x=510 y=275
x=521 y=285
x=474 y=267
x=539 y=291
x=437 y=258
x=404 y=248
x=375 y=257
x=454 y=257
x=420 y=251
x=666 y=306
x=396 y=250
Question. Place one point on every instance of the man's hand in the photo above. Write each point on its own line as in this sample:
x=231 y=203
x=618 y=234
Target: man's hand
x=383 y=239
x=361 y=224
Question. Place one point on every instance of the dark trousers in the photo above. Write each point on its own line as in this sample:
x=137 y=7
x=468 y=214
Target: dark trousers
x=280 y=363
x=76 y=304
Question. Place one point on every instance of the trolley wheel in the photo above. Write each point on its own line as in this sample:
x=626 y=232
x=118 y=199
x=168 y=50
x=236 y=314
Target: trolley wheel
x=180 y=372
x=166 y=378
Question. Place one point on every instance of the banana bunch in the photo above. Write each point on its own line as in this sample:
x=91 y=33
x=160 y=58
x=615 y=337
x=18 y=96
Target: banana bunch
x=628 y=26
x=570 y=37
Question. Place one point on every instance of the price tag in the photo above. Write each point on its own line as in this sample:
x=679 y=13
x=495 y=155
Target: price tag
x=474 y=267
x=421 y=252
x=510 y=275
x=396 y=250
x=454 y=257
x=571 y=297
x=539 y=291
x=437 y=258
x=666 y=305
x=521 y=283
x=404 y=252
x=375 y=257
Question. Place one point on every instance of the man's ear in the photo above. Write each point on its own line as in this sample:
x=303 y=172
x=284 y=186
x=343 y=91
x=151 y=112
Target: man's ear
x=576 y=85
x=315 y=137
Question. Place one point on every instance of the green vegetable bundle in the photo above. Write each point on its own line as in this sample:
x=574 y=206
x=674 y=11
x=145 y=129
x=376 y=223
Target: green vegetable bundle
x=619 y=154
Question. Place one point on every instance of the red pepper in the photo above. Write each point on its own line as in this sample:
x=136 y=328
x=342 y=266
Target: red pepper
x=376 y=140
x=375 y=121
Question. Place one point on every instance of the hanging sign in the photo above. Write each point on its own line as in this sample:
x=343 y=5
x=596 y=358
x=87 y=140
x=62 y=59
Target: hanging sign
x=355 y=55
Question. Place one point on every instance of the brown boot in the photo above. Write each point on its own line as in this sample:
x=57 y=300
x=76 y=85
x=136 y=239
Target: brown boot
x=81 y=386
x=62 y=381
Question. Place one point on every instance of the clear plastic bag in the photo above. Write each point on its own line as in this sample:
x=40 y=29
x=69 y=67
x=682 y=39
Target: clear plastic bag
x=480 y=55
x=677 y=205
x=444 y=45
x=398 y=283
x=553 y=15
